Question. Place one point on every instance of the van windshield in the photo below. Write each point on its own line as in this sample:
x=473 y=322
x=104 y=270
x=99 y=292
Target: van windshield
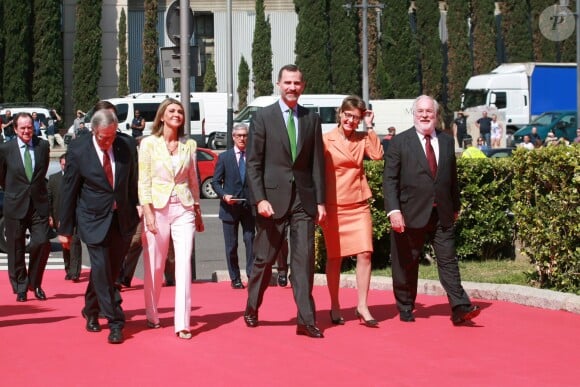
x=546 y=119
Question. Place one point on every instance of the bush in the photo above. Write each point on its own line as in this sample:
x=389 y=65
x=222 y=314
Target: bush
x=547 y=211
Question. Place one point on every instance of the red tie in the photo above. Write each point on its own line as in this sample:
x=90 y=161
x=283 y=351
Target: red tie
x=107 y=167
x=430 y=155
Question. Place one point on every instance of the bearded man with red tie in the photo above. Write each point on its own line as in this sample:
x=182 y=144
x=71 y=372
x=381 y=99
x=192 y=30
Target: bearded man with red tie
x=422 y=203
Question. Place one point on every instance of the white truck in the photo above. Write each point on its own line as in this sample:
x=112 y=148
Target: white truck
x=392 y=112
x=519 y=92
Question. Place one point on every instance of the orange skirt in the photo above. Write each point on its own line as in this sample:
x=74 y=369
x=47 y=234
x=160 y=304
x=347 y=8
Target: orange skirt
x=348 y=229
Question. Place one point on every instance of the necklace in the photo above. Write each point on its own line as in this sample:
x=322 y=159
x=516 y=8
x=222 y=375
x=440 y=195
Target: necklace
x=171 y=146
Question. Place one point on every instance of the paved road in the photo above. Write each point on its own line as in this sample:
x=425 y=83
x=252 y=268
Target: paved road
x=209 y=249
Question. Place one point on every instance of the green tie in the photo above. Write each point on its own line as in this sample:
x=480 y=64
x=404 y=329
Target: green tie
x=27 y=163
x=292 y=133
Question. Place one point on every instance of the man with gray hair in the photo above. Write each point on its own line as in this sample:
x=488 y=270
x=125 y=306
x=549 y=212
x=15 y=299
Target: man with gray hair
x=229 y=182
x=99 y=195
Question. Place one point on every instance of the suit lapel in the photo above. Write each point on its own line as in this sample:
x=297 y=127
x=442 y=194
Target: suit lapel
x=303 y=127
x=280 y=129
x=417 y=148
x=233 y=162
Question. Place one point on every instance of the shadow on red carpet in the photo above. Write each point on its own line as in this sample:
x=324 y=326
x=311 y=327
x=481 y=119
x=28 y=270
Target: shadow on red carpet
x=45 y=343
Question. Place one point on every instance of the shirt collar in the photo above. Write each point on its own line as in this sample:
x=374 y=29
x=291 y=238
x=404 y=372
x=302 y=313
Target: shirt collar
x=22 y=143
x=285 y=107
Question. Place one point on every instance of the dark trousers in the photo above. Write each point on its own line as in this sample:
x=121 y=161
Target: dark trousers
x=406 y=249
x=101 y=294
x=282 y=260
x=129 y=264
x=73 y=257
x=269 y=240
x=231 y=242
x=39 y=248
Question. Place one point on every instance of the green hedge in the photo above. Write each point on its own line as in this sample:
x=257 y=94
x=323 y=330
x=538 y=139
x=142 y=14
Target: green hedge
x=535 y=193
x=547 y=213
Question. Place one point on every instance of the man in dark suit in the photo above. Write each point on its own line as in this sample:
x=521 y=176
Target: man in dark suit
x=23 y=166
x=229 y=182
x=72 y=256
x=422 y=203
x=100 y=195
x=285 y=172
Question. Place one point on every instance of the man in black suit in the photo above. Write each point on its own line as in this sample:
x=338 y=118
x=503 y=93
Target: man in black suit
x=23 y=166
x=72 y=256
x=422 y=203
x=100 y=195
x=285 y=172
x=229 y=182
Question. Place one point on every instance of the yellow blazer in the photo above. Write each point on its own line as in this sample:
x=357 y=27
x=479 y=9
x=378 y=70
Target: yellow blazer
x=157 y=179
x=345 y=178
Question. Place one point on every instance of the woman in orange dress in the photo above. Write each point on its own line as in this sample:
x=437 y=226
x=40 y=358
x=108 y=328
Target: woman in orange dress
x=348 y=227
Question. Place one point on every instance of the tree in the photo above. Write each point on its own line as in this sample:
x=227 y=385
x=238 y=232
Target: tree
x=209 y=80
x=484 y=33
x=87 y=54
x=545 y=50
x=399 y=52
x=262 y=53
x=459 y=68
x=430 y=48
x=243 y=83
x=149 y=77
x=517 y=31
x=1 y=53
x=17 y=53
x=123 y=88
x=344 y=52
x=48 y=76
x=312 y=48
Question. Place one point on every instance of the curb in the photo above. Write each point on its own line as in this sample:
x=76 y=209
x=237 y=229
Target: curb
x=517 y=294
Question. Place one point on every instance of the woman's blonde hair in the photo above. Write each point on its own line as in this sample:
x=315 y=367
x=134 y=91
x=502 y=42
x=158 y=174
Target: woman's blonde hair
x=157 y=128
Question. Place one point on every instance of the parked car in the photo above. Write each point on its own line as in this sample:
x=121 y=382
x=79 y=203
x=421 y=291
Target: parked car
x=498 y=152
x=561 y=123
x=206 y=161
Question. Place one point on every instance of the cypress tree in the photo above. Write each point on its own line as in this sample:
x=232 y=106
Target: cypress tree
x=262 y=53
x=545 y=50
x=1 y=53
x=123 y=88
x=344 y=52
x=516 y=31
x=459 y=68
x=87 y=54
x=430 y=47
x=243 y=83
x=47 y=80
x=483 y=25
x=149 y=76
x=17 y=53
x=209 y=80
x=399 y=52
x=312 y=45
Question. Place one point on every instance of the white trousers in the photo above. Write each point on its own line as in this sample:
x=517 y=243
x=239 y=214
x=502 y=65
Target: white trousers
x=177 y=222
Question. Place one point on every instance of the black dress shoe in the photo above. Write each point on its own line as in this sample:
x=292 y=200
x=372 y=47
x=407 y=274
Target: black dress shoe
x=21 y=297
x=39 y=294
x=251 y=320
x=126 y=283
x=92 y=323
x=309 y=330
x=169 y=283
x=75 y=278
x=282 y=279
x=406 y=316
x=116 y=336
x=237 y=284
x=462 y=313
x=336 y=321
x=67 y=277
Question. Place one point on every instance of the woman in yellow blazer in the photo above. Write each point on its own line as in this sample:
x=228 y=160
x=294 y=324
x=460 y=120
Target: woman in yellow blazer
x=348 y=228
x=169 y=195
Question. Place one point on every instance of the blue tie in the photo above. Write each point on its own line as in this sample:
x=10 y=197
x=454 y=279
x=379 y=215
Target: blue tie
x=242 y=166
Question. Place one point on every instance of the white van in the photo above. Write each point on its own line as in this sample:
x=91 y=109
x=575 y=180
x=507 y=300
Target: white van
x=326 y=105
x=147 y=104
x=42 y=113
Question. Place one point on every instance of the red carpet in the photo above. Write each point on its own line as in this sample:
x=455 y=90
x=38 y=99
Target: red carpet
x=45 y=343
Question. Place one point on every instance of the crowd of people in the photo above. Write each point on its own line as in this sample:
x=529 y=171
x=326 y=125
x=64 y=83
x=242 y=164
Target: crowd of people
x=282 y=177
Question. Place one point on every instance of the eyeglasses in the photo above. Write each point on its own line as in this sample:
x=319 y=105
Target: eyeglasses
x=240 y=135
x=349 y=116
